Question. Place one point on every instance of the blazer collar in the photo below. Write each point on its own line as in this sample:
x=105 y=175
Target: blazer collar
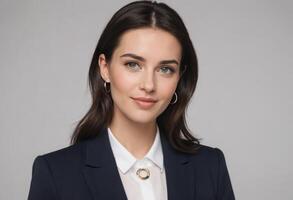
x=102 y=176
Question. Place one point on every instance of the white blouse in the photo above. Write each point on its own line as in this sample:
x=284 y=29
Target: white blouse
x=152 y=188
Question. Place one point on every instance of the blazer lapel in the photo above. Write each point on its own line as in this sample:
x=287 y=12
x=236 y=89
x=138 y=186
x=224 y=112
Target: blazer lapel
x=100 y=170
x=179 y=172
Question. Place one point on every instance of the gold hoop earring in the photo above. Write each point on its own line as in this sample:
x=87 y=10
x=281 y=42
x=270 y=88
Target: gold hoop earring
x=176 y=98
x=105 y=86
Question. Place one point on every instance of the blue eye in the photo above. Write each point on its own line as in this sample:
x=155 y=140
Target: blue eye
x=131 y=64
x=165 y=69
x=168 y=70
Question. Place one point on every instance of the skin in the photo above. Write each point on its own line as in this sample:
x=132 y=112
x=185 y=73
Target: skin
x=134 y=127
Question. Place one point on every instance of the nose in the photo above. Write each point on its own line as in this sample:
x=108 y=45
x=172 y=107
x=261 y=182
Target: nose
x=148 y=82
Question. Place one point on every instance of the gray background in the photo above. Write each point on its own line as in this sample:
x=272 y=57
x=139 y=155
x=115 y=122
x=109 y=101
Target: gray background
x=243 y=102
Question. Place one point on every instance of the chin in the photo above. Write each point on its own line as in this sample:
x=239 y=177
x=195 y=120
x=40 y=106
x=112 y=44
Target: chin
x=141 y=119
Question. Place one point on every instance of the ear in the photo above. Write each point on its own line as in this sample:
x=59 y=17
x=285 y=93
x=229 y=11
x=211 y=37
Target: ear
x=104 y=68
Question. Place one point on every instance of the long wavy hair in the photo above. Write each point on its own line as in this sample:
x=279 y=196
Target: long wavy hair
x=172 y=122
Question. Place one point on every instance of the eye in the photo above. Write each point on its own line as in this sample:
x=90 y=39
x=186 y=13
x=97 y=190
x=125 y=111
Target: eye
x=168 y=70
x=131 y=65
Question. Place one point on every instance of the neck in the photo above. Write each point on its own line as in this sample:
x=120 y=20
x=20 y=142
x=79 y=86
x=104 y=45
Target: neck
x=135 y=137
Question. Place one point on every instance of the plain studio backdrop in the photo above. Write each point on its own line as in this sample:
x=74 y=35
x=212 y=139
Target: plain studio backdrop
x=243 y=102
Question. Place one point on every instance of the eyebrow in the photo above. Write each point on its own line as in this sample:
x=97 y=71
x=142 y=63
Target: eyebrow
x=143 y=59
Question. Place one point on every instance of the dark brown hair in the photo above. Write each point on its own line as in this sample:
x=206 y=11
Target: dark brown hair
x=172 y=122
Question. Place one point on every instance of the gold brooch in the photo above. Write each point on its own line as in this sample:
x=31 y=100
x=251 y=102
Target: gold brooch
x=143 y=173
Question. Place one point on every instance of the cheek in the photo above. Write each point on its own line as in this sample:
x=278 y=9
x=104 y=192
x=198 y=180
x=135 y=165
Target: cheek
x=121 y=81
x=166 y=91
x=167 y=88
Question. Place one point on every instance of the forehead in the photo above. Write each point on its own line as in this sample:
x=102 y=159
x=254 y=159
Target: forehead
x=150 y=43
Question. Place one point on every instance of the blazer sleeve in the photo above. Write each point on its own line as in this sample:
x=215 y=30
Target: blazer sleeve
x=42 y=184
x=225 y=191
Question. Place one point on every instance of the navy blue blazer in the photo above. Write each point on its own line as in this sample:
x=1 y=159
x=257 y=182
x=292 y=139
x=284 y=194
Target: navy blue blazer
x=88 y=171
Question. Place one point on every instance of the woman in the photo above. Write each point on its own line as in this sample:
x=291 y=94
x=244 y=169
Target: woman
x=133 y=142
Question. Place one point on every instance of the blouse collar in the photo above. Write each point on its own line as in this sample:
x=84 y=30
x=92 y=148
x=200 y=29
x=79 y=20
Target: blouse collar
x=125 y=160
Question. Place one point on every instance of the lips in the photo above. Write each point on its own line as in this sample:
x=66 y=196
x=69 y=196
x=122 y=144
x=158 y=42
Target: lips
x=144 y=103
x=145 y=99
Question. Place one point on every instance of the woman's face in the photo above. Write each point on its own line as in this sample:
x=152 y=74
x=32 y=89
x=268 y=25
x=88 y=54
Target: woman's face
x=144 y=64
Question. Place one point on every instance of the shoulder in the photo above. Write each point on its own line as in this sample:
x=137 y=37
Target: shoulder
x=208 y=152
x=55 y=170
x=208 y=157
x=211 y=171
x=61 y=158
